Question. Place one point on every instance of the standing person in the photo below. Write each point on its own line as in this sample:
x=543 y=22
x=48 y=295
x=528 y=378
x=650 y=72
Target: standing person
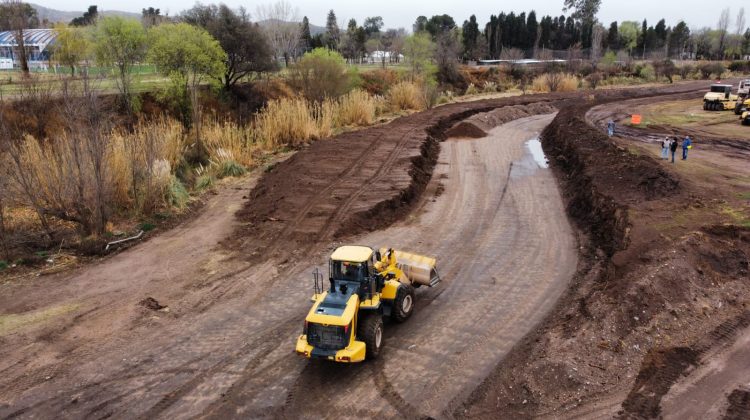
x=673 y=147
x=611 y=128
x=686 y=144
x=665 y=148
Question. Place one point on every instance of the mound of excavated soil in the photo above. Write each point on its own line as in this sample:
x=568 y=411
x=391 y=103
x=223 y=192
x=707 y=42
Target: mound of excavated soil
x=479 y=125
x=644 y=305
x=358 y=181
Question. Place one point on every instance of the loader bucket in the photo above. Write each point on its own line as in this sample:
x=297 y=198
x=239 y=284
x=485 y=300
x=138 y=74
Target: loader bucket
x=418 y=269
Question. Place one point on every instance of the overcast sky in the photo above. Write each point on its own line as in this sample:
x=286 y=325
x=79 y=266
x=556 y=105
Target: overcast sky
x=402 y=13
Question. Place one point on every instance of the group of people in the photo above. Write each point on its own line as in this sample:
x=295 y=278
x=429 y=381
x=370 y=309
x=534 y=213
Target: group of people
x=669 y=144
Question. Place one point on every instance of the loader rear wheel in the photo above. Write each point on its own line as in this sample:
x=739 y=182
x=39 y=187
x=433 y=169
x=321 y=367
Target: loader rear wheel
x=403 y=305
x=371 y=332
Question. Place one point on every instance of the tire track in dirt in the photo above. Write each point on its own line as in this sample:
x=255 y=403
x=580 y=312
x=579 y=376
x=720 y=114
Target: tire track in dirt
x=465 y=233
x=238 y=317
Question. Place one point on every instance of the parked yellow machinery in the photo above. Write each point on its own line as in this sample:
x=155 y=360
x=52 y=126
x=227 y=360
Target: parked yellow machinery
x=345 y=323
x=720 y=98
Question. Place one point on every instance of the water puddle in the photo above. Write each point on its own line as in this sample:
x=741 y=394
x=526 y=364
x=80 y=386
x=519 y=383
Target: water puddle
x=531 y=162
x=535 y=147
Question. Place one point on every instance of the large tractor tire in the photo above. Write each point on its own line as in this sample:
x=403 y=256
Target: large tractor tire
x=705 y=106
x=403 y=305
x=370 y=330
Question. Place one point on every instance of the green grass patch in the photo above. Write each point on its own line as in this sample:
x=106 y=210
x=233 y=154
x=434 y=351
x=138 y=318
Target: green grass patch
x=147 y=226
x=744 y=195
x=13 y=322
x=177 y=195
x=231 y=168
x=204 y=182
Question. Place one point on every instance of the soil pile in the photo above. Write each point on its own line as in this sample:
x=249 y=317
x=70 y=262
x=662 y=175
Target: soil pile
x=358 y=181
x=646 y=301
x=479 y=125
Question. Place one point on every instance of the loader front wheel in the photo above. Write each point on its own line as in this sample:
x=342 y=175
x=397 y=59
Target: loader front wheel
x=403 y=305
x=371 y=332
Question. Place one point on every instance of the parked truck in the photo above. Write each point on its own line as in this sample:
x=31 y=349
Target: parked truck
x=345 y=323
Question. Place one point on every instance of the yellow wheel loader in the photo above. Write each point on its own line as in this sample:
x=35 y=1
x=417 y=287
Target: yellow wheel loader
x=719 y=98
x=345 y=323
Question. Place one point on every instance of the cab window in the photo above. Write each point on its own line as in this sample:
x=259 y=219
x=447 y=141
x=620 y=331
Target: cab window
x=344 y=270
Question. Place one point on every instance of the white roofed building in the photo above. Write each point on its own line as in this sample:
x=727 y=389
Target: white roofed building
x=37 y=42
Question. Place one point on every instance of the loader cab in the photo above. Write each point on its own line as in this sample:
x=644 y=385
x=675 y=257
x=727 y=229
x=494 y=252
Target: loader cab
x=353 y=267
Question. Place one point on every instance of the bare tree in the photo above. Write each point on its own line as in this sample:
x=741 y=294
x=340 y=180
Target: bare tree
x=280 y=23
x=512 y=56
x=66 y=177
x=739 y=31
x=596 y=43
x=25 y=182
x=722 y=27
x=4 y=176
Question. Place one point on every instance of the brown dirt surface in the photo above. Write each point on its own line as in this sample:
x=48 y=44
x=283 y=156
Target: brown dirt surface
x=367 y=180
x=234 y=282
x=663 y=278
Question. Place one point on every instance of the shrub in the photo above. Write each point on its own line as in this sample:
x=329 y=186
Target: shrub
x=228 y=138
x=378 y=82
x=176 y=195
x=3 y=265
x=285 y=122
x=490 y=87
x=569 y=83
x=320 y=74
x=740 y=66
x=204 y=182
x=229 y=168
x=147 y=226
x=445 y=97
x=429 y=92
x=555 y=82
x=594 y=79
x=645 y=72
x=685 y=71
x=707 y=69
x=665 y=68
x=471 y=90
x=404 y=96
x=355 y=108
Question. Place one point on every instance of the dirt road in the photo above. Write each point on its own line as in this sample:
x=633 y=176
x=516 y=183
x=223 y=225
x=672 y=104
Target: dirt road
x=505 y=250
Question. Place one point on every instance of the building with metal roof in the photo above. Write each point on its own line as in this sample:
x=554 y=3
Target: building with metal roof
x=37 y=42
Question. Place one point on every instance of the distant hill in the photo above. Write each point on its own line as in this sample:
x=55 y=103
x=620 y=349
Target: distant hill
x=55 y=16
